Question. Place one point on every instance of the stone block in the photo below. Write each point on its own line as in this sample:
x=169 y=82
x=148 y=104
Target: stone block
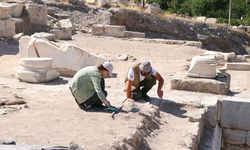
x=62 y=34
x=132 y=34
x=76 y=57
x=235 y=147
x=108 y=30
x=102 y=3
x=90 y=1
x=211 y=138
x=203 y=67
x=15 y=9
x=36 y=70
x=239 y=66
x=217 y=86
x=44 y=35
x=210 y=103
x=211 y=20
x=4 y=11
x=37 y=13
x=154 y=10
x=234 y=136
x=7 y=28
x=37 y=75
x=66 y=24
x=248 y=138
x=235 y=113
x=201 y=19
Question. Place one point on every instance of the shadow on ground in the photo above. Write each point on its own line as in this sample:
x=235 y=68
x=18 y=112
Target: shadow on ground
x=58 y=81
x=8 y=48
x=169 y=107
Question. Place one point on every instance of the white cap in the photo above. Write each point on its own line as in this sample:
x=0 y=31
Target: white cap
x=146 y=66
x=108 y=65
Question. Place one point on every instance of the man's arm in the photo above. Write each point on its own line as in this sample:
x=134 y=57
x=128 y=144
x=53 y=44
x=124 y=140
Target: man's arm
x=128 y=88
x=160 y=84
x=96 y=82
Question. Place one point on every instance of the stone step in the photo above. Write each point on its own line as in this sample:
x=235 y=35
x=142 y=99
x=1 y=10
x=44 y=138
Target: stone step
x=220 y=85
x=36 y=62
x=108 y=30
x=133 y=34
x=239 y=66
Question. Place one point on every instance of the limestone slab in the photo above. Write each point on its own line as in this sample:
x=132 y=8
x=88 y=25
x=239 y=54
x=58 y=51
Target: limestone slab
x=235 y=113
x=211 y=138
x=248 y=138
x=210 y=103
x=235 y=147
x=14 y=9
x=48 y=36
x=108 y=30
x=217 y=86
x=4 y=11
x=239 y=66
x=134 y=34
x=7 y=28
x=62 y=34
x=234 y=136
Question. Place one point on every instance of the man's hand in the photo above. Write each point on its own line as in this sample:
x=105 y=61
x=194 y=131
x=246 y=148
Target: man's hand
x=107 y=103
x=160 y=93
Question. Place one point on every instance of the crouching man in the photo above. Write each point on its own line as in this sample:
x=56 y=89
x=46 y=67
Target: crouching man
x=140 y=79
x=88 y=86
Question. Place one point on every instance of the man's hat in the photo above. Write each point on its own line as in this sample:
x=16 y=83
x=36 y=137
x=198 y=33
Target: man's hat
x=146 y=67
x=108 y=65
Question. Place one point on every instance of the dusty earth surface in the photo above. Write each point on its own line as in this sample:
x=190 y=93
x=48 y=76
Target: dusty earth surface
x=51 y=116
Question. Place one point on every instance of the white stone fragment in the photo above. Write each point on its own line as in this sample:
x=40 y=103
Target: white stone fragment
x=202 y=67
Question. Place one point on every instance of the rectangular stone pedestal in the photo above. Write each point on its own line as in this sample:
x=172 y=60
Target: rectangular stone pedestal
x=219 y=85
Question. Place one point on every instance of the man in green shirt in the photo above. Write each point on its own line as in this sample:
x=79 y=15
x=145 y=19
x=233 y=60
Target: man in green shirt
x=88 y=86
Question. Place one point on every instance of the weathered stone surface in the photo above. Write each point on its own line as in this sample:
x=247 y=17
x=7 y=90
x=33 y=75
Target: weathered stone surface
x=235 y=147
x=132 y=34
x=248 y=138
x=66 y=24
x=238 y=66
x=108 y=30
x=7 y=28
x=210 y=103
x=62 y=34
x=202 y=67
x=211 y=20
x=16 y=9
x=217 y=86
x=234 y=136
x=36 y=70
x=211 y=138
x=102 y=3
x=44 y=35
x=154 y=10
x=4 y=11
x=76 y=58
x=90 y=1
x=36 y=63
x=235 y=113
x=201 y=19
x=37 y=13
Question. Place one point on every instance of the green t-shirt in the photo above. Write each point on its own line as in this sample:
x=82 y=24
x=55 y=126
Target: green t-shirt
x=85 y=83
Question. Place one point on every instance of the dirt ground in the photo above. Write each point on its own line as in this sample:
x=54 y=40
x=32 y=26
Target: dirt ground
x=51 y=116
